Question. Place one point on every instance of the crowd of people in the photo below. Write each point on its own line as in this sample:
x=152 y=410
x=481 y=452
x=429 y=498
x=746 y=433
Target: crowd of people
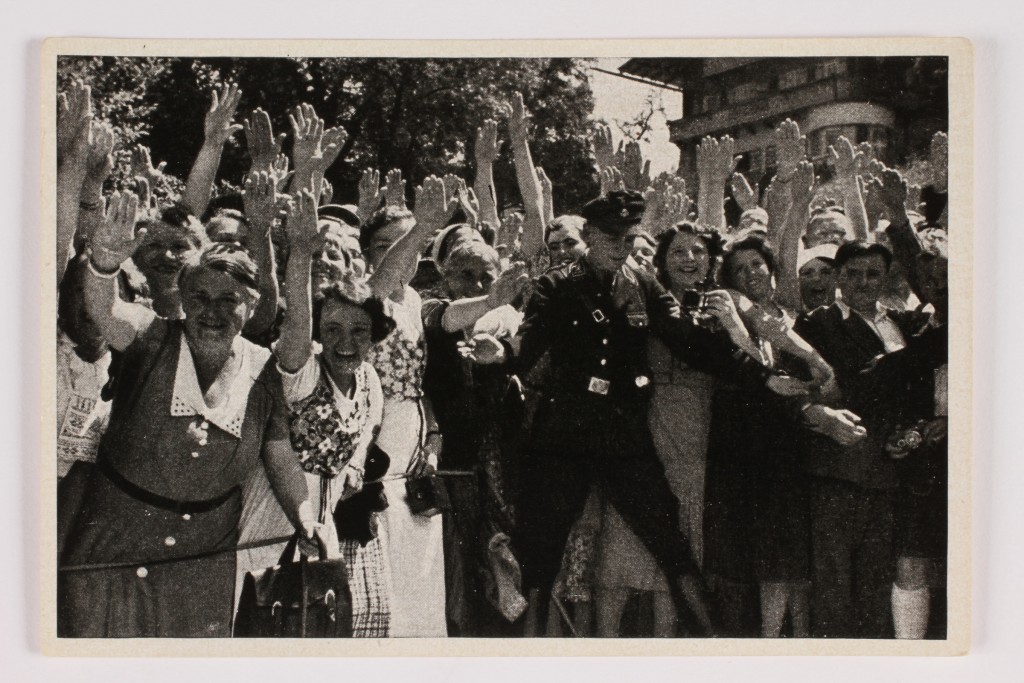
x=638 y=420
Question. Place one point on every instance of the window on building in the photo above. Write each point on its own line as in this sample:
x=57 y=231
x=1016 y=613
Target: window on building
x=746 y=91
x=711 y=102
x=831 y=67
x=793 y=79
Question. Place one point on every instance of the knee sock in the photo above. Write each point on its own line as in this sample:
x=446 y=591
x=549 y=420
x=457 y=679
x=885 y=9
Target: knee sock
x=910 y=612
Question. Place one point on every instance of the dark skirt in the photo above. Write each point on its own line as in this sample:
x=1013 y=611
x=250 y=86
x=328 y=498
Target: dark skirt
x=150 y=598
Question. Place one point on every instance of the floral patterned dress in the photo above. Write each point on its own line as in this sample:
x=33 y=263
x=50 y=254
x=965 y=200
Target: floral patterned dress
x=327 y=430
x=413 y=544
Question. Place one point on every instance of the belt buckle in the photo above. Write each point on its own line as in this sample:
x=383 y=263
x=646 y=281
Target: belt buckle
x=599 y=315
x=599 y=386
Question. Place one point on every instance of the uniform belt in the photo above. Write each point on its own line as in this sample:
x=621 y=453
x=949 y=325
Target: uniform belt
x=181 y=507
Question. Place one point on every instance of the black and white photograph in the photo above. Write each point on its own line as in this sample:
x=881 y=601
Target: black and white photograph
x=537 y=347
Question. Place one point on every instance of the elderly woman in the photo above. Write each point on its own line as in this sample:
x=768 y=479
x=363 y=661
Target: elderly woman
x=195 y=408
x=468 y=402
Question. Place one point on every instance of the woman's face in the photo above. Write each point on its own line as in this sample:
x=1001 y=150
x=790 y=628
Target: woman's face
x=469 y=275
x=216 y=306
x=345 y=335
x=385 y=237
x=163 y=252
x=330 y=260
x=817 y=284
x=750 y=274
x=687 y=261
x=565 y=245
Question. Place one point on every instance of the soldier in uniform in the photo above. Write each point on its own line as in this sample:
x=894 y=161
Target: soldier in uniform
x=594 y=316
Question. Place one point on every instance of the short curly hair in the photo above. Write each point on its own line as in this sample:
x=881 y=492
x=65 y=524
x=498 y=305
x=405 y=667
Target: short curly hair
x=380 y=219
x=754 y=242
x=348 y=289
x=711 y=238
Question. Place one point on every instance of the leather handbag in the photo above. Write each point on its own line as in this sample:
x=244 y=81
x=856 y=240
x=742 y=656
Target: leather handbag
x=303 y=599
x=427 y=496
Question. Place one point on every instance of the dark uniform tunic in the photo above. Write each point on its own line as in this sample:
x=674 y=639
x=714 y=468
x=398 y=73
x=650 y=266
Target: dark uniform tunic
x=591 y=422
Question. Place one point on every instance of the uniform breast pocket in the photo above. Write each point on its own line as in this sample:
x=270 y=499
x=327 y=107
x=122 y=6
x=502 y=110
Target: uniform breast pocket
x=637 y=320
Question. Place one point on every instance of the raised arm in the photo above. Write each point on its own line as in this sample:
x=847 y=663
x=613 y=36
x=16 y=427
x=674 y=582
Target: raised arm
x=74 y=123
x=370 y=195
x=801 y=189
x=845 y=161
x=260 y=198
x=526 y=175
x=715 y=163
x=486 y=153
x=217 y=130
x=98 y=167
x=891 y=190
x=293 y=349
x=114 y=242
x=315 y=148
x=264 y=148
x=464 y=313
x=398 y=267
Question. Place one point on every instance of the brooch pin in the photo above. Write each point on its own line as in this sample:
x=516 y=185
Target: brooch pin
x=198 y=430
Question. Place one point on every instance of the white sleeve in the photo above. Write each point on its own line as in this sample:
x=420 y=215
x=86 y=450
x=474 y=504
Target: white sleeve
x=300 y=384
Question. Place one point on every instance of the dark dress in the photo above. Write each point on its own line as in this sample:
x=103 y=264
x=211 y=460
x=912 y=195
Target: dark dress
x=756 y=527
x=164 y=456
x=468 y=402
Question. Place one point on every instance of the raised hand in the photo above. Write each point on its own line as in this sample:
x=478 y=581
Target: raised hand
x=470 y=205
x=218 y=126
x=486 y=148
x=326 y=192
x=394 y=189
x=509 y=285
x=744 y=195
x=716 y=158
x=115 y=238
x=509 y=233
x=453 y=185
x=518 y=130
x=611 y=179
x=636 y=173
x=260 y=199
x=431 y=208
x=676 y=207
x=147 y=202
x=370 y=194
x=279 y=172
x=74 y=107
x=301 y=226
x=142 y=167
x=791 y=147
x=100 y=160
x=891 y=191
x=802 y=187
x=604 y=146
x=845 y=159
x=308 y=131
x=264 y=148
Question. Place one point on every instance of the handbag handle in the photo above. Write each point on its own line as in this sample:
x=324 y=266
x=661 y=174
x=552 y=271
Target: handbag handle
x=288 y=556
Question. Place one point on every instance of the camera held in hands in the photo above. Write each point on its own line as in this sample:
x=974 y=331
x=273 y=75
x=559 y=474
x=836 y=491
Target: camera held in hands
x=695 y=304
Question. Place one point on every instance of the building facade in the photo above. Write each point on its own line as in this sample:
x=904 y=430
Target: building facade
x=893 y=103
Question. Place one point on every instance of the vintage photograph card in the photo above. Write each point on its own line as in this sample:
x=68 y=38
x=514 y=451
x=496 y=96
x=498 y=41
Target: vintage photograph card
x=506 y=348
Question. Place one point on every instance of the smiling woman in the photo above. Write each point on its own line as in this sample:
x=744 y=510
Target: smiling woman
x=195 y=408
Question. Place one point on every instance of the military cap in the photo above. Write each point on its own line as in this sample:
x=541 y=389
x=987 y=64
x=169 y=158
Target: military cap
x=615 y=212
x=342 y=213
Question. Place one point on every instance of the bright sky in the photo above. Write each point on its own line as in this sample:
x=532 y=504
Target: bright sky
x=618 y=99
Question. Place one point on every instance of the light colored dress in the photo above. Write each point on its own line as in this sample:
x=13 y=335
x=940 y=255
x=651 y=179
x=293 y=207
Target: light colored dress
x=413 y=544
x=262 y=517
x=82 y=415
x=679 y=417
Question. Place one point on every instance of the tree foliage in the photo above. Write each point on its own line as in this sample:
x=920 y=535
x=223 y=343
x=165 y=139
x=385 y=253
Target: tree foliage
x=418 y=115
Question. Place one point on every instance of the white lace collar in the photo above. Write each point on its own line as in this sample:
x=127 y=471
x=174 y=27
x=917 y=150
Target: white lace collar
x=232 y=386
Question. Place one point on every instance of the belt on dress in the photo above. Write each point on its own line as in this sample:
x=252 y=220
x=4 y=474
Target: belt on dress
x=181 y=507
